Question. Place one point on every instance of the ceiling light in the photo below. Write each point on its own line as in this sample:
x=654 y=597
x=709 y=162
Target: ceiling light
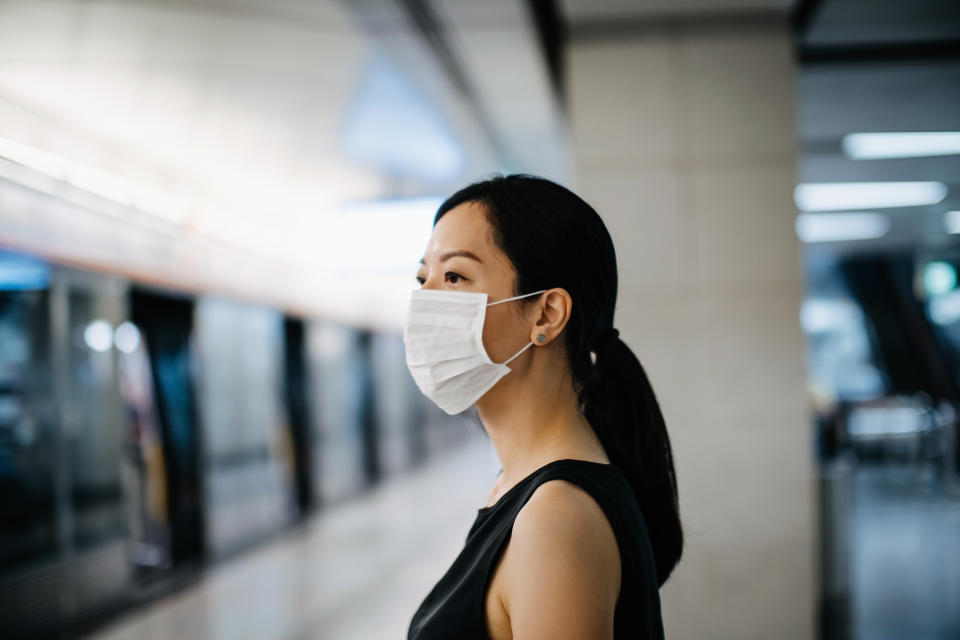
x=834 y=227
x=98 y=335
x=872 y=146
x=821 y=315
x=939 y=278
x=945 y=310
x=951 y=221
x=127 y=337
x=833 y=196
x=47 y=163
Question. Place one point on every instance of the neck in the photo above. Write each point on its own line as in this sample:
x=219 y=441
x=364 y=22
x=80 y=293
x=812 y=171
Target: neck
x=533 y=417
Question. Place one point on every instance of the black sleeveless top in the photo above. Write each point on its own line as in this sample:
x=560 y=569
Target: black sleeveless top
x=455 y=607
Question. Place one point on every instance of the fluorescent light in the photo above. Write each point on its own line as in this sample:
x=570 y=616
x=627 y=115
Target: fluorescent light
x=833 y=227
x=98 y=335
x=126 y=337
x=939 y=278
x=945 y=309
x=820 y=315
x=951 y=221
x=101 y=183
x=47 y=163
x=89 y=179
x=871 y=146
x=835 y=196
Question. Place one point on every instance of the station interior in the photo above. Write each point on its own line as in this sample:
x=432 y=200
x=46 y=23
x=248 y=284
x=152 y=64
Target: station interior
x=211 y=218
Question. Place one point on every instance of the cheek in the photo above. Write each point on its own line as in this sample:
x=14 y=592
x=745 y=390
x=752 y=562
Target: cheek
x=502 y=334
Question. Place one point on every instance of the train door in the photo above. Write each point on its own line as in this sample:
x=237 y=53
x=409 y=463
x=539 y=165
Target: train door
x=165 y=323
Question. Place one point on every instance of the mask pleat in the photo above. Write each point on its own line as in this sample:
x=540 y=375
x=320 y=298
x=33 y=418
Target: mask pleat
x=463 y=385
x=447 y=298
x=427 y=349
x=461 y=393
x=438 y=322
x=441 y=371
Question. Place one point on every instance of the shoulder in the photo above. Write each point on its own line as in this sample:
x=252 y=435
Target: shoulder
x=564 y=517
x=562 y=500
x=562 y=565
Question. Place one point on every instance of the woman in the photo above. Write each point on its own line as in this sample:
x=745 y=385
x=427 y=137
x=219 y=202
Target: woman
x=582 y=525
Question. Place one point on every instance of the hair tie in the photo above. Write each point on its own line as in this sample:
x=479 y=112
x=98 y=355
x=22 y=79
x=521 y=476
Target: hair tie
x=607 y=337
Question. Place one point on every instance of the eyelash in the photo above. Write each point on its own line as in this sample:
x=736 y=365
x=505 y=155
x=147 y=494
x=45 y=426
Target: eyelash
x=448 y=273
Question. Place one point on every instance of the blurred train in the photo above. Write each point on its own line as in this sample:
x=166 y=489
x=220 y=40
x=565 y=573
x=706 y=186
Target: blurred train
x=145 y=433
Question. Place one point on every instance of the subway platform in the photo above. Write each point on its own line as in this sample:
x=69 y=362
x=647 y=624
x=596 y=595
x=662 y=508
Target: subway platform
x=358 y=569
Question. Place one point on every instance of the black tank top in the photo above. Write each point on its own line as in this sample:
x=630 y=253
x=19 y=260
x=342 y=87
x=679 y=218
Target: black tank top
x=455 y=607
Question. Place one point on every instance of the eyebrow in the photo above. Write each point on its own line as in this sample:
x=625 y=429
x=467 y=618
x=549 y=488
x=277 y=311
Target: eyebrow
x=460 y=253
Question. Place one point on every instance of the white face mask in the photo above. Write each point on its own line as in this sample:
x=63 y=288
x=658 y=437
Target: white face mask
x=443 y=338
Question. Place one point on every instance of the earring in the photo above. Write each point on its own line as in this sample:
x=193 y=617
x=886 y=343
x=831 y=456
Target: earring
x=541 y=338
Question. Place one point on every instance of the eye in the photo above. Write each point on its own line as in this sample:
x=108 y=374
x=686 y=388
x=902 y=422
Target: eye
x=453 y=278
x=420 y=280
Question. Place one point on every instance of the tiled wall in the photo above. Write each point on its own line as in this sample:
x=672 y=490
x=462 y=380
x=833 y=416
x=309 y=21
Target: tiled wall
x=684 y=142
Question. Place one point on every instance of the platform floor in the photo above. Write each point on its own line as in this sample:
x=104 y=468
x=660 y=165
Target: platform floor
x=905 y=555
x=360 y=569
x=357 y=570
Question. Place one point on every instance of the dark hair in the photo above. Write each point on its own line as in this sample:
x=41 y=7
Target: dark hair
x=555 y=239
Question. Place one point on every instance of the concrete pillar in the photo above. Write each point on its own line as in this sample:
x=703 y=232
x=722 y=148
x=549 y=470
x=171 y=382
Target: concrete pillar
x=684 y=142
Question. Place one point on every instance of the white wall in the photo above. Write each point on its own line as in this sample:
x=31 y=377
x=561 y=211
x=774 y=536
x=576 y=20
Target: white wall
x=684 y=142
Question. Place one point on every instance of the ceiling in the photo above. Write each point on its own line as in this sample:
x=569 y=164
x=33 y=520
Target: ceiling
x=863 y=66
x=872 y=22
x=589 y=10
x=249 y=130
x=233 y=146
x=881 y=66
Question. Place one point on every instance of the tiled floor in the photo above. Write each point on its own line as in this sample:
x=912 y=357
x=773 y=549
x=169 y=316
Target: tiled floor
x=358 y=570
x=905 y=555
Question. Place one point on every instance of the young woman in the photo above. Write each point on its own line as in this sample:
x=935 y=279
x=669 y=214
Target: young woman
x=582 y=525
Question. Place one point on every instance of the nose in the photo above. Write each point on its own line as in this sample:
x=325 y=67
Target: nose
x=432 y=282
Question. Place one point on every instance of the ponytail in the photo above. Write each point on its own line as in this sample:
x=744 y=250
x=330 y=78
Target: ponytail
x=618 y=401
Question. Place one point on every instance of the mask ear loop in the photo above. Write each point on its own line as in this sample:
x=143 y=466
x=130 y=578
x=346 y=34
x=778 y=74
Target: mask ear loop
x=518 y=353
x=526 y=295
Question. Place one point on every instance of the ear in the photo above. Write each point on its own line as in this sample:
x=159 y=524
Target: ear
x=553 y=312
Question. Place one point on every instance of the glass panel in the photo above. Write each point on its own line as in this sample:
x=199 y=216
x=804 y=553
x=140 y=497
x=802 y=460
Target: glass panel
x=94 y=418
x=27 y=438
x=249 y=465
x=337 y=393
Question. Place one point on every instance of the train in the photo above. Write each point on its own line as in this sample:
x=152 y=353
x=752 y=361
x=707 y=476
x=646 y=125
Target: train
x=147 y=433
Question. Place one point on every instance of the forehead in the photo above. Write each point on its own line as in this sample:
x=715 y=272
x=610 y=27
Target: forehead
x=463 y=228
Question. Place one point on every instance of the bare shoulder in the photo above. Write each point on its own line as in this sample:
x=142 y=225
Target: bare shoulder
x=561 y=567
x=567 y=517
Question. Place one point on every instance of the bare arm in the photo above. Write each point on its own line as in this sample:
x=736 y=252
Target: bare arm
x=561 y=567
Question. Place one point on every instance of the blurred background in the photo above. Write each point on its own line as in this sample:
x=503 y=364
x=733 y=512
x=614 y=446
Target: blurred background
x=211 y=212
